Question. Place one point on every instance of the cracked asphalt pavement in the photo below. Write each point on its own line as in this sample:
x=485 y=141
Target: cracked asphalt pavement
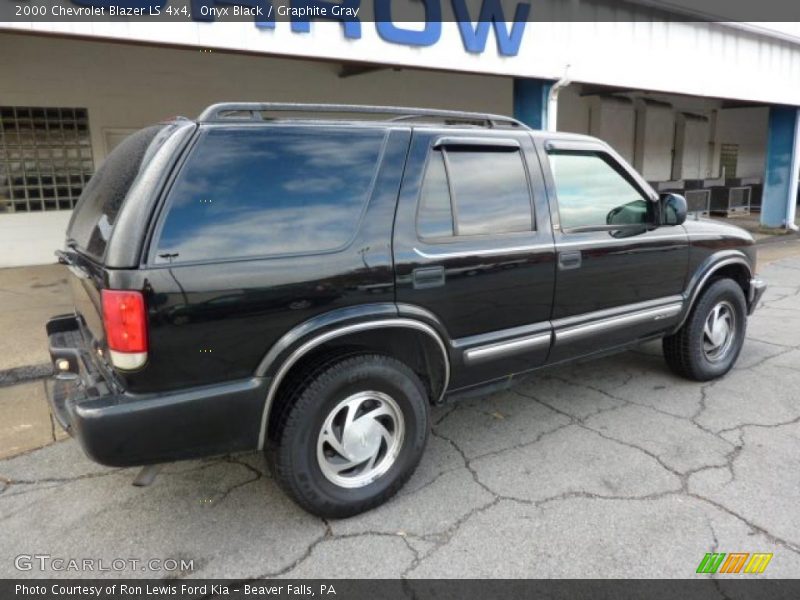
x=611 y=468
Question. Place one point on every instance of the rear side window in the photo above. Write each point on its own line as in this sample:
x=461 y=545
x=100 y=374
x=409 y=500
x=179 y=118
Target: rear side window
x=474 y=192
x=94 y=216
x=255 y=192
x=435 y=213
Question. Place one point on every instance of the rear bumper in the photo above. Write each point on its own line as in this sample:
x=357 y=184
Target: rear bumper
x=757 y=288
x=118 y=428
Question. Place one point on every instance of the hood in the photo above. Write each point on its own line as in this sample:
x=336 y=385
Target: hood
x=711 y=229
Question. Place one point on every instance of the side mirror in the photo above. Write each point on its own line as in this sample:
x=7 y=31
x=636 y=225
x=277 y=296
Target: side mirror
x=673 y=209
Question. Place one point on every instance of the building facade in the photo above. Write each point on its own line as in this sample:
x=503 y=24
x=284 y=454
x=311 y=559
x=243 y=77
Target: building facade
x=679 y=100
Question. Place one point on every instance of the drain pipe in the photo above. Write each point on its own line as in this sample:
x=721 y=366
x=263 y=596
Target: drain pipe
x=552 y=100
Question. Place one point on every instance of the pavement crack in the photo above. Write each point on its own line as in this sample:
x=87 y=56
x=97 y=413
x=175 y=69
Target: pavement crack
x=593 y=388
x=770 y=343
x=766 y=359
x=256 y=476
x=410 y=492
x=446 y=414
x=627 y=402
x=760 y=425
x=11 y=482
x=572 y=494
x=326 y=535
x=581 y=423
x=443 y=538
x=416 y=560
x=791 y=546
x=466 y=460
x=715 y=544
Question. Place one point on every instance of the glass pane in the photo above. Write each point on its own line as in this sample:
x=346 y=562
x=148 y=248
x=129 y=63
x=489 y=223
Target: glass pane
x=268 y=191
x=592 y=193
x=491 y=192
x=435 y=218
x=34 y=148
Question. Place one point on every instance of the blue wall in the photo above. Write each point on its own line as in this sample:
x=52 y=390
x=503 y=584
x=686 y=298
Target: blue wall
x=530 y=101
x=780 y=173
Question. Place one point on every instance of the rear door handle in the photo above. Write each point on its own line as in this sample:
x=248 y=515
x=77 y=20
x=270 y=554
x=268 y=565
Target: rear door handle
x=428 y=277
x=569 y=260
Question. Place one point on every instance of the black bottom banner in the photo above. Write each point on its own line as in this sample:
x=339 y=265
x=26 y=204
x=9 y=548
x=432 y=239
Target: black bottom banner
x=393 y=589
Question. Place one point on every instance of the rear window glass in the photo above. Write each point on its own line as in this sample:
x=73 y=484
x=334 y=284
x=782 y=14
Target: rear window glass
x=252 y=192
x=490 y=194
x=97 y=209
x=490 y=191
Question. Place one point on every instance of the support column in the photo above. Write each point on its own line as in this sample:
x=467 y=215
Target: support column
x=530 y=102
x=782 y=167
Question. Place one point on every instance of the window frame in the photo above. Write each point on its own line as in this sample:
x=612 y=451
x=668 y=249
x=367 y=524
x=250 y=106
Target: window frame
x=478 y=144
x=607 y=155
x=166 y=198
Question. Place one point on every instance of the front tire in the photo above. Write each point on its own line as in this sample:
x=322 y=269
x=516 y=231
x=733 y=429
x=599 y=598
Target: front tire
x=709 y=342
x=351 y=436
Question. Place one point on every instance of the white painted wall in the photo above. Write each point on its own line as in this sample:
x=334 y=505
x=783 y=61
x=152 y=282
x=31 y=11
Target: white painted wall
x=691 y=147
x=746 y=127
x=697 y=151
x=655 y=136
x=573 y=111
x=31 y=238
x=613 y=120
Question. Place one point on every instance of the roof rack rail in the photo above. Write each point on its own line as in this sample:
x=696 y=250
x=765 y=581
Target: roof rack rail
x=252 y=111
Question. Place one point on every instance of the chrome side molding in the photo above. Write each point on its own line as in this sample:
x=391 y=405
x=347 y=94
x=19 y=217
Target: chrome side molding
x=499 y=350
x=629 y=319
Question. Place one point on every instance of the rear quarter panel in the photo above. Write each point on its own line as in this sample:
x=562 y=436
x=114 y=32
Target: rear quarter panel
x=214 y=322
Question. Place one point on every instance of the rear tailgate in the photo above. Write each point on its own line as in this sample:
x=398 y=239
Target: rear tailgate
x=86 y=280
x=93 y=223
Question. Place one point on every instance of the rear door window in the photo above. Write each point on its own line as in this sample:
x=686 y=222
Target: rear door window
x=469 y=192
x=94 y=216
x=258 y=192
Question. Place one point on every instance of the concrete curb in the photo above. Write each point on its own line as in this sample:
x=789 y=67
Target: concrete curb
x=23 y=374
x=774 y=238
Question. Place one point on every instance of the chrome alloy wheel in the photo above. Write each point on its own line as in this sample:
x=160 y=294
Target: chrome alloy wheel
x=360 y=439
x=719 y=331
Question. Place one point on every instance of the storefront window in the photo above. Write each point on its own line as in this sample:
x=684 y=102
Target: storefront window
x=45 y=157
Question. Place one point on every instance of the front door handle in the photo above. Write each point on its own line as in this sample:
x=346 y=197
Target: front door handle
x=428 y=277
x=569 y=260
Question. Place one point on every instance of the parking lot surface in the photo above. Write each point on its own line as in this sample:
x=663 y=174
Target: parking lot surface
x=611 y=468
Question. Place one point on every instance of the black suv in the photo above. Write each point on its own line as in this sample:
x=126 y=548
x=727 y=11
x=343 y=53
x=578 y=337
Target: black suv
x=287 y=278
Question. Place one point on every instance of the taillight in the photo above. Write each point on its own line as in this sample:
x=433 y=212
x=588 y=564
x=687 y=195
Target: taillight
x=125 y=322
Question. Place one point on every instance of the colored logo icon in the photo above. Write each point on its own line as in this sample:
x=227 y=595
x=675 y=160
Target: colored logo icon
x=736 y=562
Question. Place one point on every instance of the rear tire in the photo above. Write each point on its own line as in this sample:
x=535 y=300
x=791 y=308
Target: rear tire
x=351 y=435
x=709 y=342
